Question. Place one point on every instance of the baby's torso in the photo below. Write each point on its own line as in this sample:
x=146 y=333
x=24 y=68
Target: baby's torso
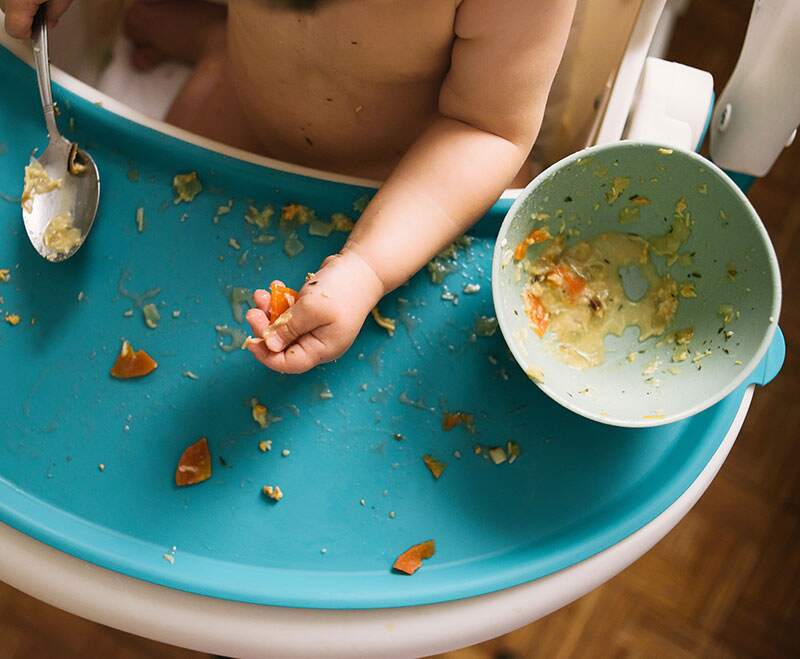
x=346 y=86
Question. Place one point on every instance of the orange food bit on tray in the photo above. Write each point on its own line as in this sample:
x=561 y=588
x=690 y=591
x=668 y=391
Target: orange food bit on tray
x=411 y=559
x=281 y=298
x=194 y=465
x=452 y=419
x=132 y=363
x=436 y=467
x=537 y=314
x=534 y=237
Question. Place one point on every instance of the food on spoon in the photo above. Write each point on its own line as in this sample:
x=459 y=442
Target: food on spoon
x=436 y=467
x=281 y=298
x=194 y=465
x=61 y=236
x=36 y=182
x=388 y=324
x=186 y=186
x=411 y=559
x=132 y=363
x=74 y=166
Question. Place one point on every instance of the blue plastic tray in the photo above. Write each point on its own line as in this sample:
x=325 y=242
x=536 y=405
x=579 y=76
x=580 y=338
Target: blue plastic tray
x=578 y=487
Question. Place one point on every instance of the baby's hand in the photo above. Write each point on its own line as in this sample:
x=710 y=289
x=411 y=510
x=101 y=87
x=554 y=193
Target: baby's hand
x=323 y=322
x=20 y=13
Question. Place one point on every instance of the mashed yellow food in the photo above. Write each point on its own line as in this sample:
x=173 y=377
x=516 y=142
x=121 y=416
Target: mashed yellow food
x=61 y=237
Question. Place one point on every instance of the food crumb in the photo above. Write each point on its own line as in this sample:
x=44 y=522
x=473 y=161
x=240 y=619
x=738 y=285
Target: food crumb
x=232 y=242
x=687 y=290
x=140 y=219
x=127 y=313
x=498 y=455
x=169 y=558
x=326 y=393
x=665 y=152
x=513 y=450
x=151 y=315
x=285 y=453
x=81 y=296
x=176 y=313
x=101 y=467
x=363 y=502
x=738 y=362
x=265 y=445
x=191 y=375
x=13 y=319
x=187 y=187
x=5 y=275
x=323 y=551
x=632 y=357
x=471 y=289
x=259 y=413
x=392 y=514
x=273 y=492
x=457 y=454
x=436 y=467
x=388 y=324
x=411 y=559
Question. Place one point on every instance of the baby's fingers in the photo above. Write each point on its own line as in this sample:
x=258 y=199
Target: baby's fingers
x=262 y=298
x=299 y=357
x=301 y=318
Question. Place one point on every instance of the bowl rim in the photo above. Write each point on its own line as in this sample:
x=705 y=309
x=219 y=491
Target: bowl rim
x=570 y=403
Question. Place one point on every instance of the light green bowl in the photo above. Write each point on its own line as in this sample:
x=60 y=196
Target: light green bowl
x=726 y=230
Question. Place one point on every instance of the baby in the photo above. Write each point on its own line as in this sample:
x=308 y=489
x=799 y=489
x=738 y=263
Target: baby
x=441 y=99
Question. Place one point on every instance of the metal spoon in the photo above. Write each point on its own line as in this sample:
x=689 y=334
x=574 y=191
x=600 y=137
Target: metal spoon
x=79 y=190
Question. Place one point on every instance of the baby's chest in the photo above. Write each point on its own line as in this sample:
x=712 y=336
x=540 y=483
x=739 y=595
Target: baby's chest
x=376 y=41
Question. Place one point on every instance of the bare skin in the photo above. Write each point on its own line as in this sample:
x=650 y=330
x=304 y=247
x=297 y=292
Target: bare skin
x=440 y=98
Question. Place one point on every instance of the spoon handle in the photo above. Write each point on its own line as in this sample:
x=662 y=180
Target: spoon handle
x=41 y=61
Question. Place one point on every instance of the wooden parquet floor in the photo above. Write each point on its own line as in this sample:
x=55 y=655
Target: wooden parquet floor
x=724 y=583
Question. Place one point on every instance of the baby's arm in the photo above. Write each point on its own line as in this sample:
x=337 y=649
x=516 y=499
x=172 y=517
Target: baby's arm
x=504 y=58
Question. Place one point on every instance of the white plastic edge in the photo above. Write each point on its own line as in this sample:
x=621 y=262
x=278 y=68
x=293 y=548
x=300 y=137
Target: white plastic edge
x=629 y=71
x=671 y=105
x=92 y=95
x=759 y=108
x=247 y=630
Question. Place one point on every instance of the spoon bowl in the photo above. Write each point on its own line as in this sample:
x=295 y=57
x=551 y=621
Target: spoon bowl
x=77 y=193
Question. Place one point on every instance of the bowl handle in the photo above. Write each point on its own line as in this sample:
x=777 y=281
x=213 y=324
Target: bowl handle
x=772 y=362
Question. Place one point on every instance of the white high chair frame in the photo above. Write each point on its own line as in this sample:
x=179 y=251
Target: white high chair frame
x=246 y=630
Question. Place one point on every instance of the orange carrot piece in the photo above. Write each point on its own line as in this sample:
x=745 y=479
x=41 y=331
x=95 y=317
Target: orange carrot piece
x=281 y=298
x=537 y=314
x=573 y=283
x=436 y=467
x=452 y=419
x=534 y=237
x=411 y=559
x=194 y=465
x=132 y=364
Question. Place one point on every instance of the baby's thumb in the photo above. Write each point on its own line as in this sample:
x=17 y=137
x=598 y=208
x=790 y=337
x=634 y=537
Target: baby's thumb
x=297 y=320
